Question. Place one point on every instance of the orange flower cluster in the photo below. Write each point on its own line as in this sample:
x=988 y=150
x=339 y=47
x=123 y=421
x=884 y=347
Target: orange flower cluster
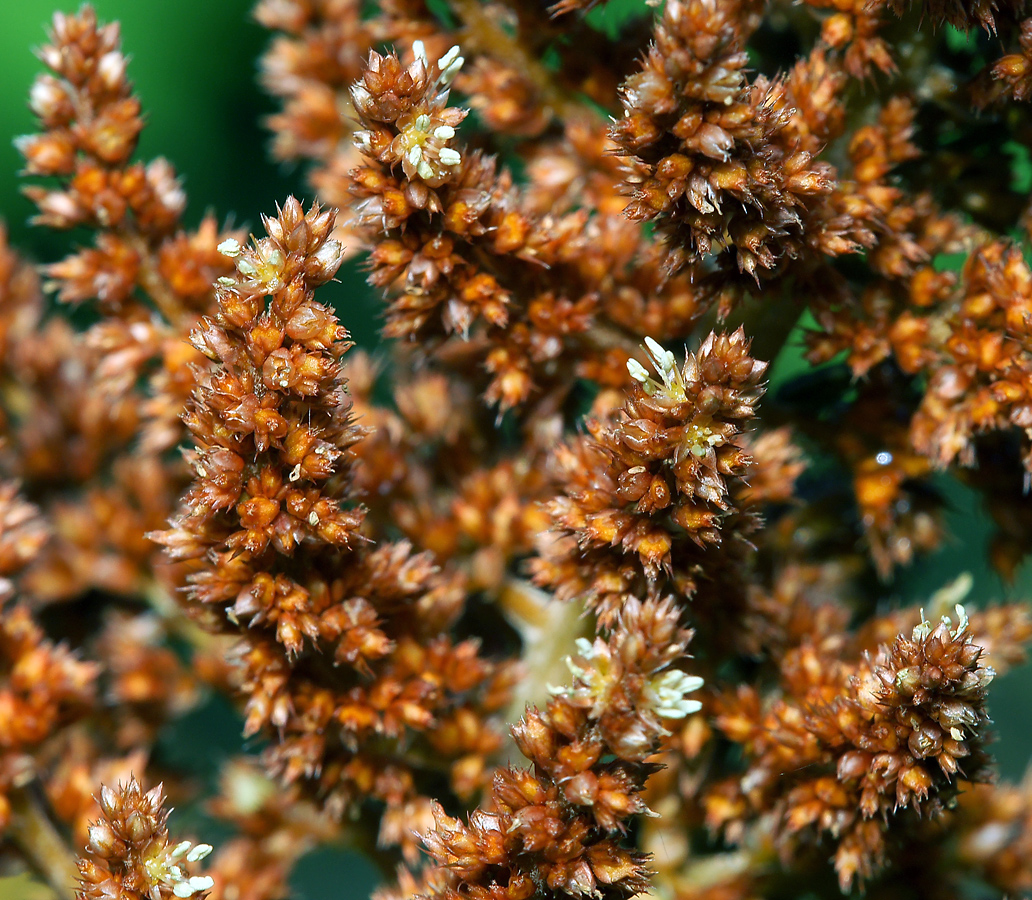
x=286 y=562
x=559 y=826
x=601 y=242
x=130 y=855
x=858 y=742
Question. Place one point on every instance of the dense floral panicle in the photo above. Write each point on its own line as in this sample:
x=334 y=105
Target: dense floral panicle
x=721 y=167
x=688 y=423
x=406 y=117
x=287 y=558
x=130 y=856
x=854 y=742
x=93 y=123
x=273 y=420
x=979 y=377
x=656 y=480
x=560 y=825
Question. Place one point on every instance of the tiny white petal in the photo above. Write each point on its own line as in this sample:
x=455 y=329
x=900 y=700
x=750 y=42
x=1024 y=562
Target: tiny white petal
x=449 y=57
x=199 y=852
x=637 y=371
x=181 y=848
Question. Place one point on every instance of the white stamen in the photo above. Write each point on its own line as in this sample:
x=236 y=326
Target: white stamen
x=637 y=371
x=199 y=852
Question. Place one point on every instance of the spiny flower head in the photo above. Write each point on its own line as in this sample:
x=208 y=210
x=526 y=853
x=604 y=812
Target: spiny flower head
x=406 y=115
x=682 y=428
x=132 y=856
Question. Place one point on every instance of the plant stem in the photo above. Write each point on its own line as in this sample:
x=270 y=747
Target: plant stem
x=35 y=835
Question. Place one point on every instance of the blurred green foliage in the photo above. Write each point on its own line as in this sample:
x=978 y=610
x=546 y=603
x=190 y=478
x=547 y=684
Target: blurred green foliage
x=193 y=63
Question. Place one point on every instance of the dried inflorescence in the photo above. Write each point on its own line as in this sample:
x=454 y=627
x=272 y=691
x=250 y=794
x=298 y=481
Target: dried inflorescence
x=854 y=743
x=559 y=826
x=284 y=558
x=724 y=168
x=811 y=195
x=130 y=853
x=654 y=477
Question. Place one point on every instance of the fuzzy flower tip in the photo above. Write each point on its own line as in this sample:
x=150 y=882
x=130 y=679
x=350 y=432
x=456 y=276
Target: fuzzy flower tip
x=665 y=364
x=664 y=693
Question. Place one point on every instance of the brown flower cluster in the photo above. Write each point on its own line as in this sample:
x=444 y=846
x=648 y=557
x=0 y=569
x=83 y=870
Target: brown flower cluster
x=130 y=854
x=602 y=234
x=723 y=165
x=346 y=649
x=655 y=479
x=559 y=826
x=860 y=741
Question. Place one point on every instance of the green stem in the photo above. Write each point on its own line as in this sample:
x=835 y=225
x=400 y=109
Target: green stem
x=31 y=830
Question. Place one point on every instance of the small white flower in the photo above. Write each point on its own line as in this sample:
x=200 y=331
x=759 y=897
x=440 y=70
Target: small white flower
x=666 y=692
x=666 y=367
